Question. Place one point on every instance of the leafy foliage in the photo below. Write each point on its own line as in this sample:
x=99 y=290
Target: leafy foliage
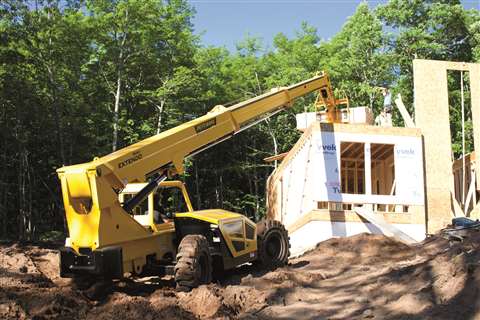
x=78 y=78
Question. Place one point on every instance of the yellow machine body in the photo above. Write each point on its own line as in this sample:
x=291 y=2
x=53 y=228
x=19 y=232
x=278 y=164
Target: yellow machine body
x=102 y=232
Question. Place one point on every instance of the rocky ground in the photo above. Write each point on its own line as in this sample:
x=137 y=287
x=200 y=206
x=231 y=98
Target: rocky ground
x=361 y=277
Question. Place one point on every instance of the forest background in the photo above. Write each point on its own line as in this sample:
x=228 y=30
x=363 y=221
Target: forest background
x=80 y=78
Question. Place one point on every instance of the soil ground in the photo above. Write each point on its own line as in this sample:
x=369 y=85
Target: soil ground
x=361 y=277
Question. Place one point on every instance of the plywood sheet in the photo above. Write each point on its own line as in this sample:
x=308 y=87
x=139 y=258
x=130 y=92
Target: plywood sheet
x=475 y=100
x=432 y=116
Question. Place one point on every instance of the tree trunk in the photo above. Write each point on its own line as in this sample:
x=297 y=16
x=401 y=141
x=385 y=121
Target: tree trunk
x=116 y=111
x=54 y=96
x=217 y=193
x=221 y=190
x=120 y=64
x=371 y=98
x=57 y=117
x=21 y=196
x=274 y=139
x=255 y=182
x=197 y=186
x=159 y=118
x=25 y=213
x=3 y=178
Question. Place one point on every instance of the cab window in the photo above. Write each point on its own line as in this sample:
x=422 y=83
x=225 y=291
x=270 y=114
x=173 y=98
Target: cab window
x=234 y=229
x=250 y=231
x=169 y=201
x=141 y=208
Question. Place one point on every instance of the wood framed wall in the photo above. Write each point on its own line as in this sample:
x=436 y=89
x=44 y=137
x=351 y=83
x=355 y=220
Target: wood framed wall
x=307 y=177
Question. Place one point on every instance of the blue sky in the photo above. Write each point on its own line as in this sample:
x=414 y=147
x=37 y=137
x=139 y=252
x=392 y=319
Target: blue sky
x=226 y=22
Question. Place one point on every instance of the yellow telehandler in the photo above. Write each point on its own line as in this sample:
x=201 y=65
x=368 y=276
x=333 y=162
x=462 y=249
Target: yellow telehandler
x=125 y=218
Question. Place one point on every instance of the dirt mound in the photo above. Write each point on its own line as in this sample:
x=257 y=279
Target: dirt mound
x=212 y=300
x=123 y=306
x=361 y=277
x=363 y=247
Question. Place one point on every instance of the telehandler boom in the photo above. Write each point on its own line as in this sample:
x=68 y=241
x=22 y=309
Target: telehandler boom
x=109 y=238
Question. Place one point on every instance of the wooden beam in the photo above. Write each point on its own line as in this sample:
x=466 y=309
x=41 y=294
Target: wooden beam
x=387 y=228
x=394 y=184
x=345 y=150
x=377 y=149
x=357 y=151
x=355 y=178
x=368 y=169
x=407 y=119
x=388 y=149
x=275 y=157
x=352 y=159
x=457 y=210
x=471 y=191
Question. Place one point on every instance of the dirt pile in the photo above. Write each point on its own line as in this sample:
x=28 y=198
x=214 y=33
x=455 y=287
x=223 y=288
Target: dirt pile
x=361 y=277
x=31 y=288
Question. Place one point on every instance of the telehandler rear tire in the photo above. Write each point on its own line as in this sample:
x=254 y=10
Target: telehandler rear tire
x=273 y=244
x=194 y=263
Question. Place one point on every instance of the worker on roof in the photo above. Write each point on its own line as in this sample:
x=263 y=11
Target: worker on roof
x=387 y=100
x=384 y=119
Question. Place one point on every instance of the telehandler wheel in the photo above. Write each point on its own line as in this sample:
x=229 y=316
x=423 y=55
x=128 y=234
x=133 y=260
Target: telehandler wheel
x=92 y=288
x=273 y=244
x=82 y=282
x=194 y=262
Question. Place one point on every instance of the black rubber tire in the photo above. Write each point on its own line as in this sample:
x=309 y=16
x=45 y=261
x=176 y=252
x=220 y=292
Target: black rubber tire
x=99 y=290
x=194 y=263
x=273 y=244
x=92 y=288
x=82 y=282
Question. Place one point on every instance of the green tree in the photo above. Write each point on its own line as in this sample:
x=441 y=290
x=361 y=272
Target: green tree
x=425 y=30
x=138 y=45
x=42 y=48
x=60 y=64
x=358 y=60
x=474 y=30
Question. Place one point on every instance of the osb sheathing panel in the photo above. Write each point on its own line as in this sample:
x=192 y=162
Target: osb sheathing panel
x=475 y=100
x=432 y=116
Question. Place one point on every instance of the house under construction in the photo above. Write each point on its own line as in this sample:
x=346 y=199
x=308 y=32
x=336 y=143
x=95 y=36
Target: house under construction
x=341 y=179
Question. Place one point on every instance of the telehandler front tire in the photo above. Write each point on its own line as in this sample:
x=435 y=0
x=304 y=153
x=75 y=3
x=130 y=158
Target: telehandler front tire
x=194 y=263
x=273 y=244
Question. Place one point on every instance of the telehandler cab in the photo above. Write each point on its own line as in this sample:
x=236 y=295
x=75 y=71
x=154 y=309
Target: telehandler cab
x=125 y=218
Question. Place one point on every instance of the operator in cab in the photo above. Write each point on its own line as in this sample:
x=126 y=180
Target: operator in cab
x=161 y=209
